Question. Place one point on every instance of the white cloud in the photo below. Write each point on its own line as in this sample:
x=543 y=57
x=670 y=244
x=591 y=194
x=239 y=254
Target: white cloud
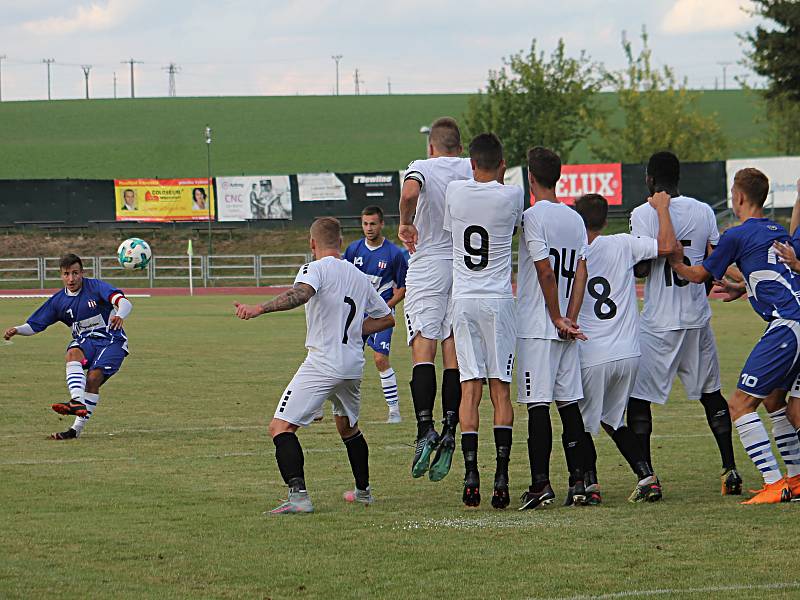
x=695 y=16
x=92 y=17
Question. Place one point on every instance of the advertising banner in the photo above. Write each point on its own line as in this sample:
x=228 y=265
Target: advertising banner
x=163 y=199
x=318 y=187
x=254 y=197
x=371 y=188
x=577 y=180
x=514 y=176
x=782 y=171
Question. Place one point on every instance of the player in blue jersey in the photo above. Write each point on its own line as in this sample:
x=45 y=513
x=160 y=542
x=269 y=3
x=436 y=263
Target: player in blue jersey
x=386 y=266
x=774 y=293
x=95 y=311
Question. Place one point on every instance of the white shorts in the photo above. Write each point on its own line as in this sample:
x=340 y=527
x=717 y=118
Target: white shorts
x=548 y=371
x=307 y=392
x=606 y=389
x=691 y=354
x=428 y=303
x=485 y=331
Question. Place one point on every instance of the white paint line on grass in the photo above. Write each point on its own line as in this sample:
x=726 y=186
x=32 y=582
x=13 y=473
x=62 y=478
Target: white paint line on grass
x=24 y=296
x=714 y=589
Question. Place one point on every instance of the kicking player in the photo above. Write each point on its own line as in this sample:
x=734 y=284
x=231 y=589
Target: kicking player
x=676 y=335
x=609 y=317
x=482 y=215
x=337 y=295
x=386 y=266
x=428 y=302
x=95 y=311
x=773 y=291
x=551 y=283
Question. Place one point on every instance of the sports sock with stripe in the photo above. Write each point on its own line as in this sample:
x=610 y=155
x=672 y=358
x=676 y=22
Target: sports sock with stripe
x=358 y=455
x=719 y=420
x=289 y=455
x=786 y=440
x=423 y=393
x=756 y=443
x=90 y=401
x=76 y=380
x=389 y=386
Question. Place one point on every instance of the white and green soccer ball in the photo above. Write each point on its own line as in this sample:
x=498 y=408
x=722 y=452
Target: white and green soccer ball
x=134 y=253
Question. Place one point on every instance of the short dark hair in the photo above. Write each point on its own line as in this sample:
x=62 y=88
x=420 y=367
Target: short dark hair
x=753 y=184
x=445 y=134
x=373 y=210
x=68 y=260
x=594 y=210
x=486 y=150
x=545 y=166
x=664 y=168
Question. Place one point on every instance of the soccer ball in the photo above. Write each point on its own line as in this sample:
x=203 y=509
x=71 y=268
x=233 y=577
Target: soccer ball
x=134 y=253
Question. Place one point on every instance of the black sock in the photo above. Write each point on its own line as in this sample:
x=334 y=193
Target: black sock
x=289 y=455
x=358 y=454
x=502 y=445
x=540 y=444
x=469 y=446
x=572 y=439
x=451 y=398
x=630 y=448
x=640 y=421
x=719 y=420
x=423 y=392
x=589 y=454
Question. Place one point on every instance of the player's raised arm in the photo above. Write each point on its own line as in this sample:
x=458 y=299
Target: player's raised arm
x=409 y=195
x=292 y=298
x=666 y=233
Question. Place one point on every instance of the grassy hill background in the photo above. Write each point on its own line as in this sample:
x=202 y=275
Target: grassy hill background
x=163 y=137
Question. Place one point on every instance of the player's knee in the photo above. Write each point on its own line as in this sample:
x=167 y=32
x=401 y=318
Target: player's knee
x=344 y=428
x=381 y=362
x=741 y=404
x=793 y=411
x=74 y=355
x=94 y=380
x=278 y=426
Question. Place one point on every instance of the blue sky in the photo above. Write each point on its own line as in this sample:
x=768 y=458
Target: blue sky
x=243 y=47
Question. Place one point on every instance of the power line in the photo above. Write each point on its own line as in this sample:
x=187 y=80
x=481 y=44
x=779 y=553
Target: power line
x=48 y=62
x=358 y=81
x=86 y=69
x=337 y=58
x=724 y=64
x=172 y=69
x=132 y=62
x=115 y=85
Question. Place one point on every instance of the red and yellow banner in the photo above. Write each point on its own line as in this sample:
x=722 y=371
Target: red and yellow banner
x=577 y=180
x=164 y=199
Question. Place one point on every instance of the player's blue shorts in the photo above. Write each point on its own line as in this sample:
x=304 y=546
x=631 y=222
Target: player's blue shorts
x=381 y=341
x=102 y=354
x=773 y=364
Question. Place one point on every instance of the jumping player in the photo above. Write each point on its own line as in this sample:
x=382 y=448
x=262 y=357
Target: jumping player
x=337 y=295
x=482 y=215
x=773 y=291
x=428 y=302
x=95 y=311
x=386 y=266
x=676 y=335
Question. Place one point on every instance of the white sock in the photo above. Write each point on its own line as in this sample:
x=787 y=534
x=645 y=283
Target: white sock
x=389 y=385
x=91 y=401
x=76 y=380
x=787 y=442
x=755 y=440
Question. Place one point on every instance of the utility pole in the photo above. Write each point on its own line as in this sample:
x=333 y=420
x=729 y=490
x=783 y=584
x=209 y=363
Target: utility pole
x=131 y=62
x=389 y=85
x=2 y=56
x=86 y=69
x=357 y=79
x=172 y=69
x=724 y=64
x=48 y=62
x=337 y=58
x=115 y=85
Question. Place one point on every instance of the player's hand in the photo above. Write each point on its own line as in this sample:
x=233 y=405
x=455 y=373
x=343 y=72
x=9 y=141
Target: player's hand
x=787 y=255
x=409 y=235
x=659 y=200
x=116 y=322
x=248 y=311
x=729 y=289
x=567 y=330
x=501 y=174
x=9 y=333
x=676 y=256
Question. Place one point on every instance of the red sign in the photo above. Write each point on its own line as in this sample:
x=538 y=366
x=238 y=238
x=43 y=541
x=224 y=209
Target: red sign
x=577 y=180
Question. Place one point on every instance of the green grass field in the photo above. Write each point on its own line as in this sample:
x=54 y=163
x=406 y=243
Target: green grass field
x=163 y=137
x=163 y=495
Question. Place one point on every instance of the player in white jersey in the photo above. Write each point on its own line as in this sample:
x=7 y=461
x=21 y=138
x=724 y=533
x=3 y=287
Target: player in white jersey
x=550 y=287
x=337 y=295
x=609 y=318
x=482 y=215
x=428 y=301
x=676 y=335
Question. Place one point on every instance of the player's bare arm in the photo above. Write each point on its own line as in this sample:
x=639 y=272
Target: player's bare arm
x=693 y=273
x=297 y=296
x=547 y=281
x=666 y=233
x=409 y=196
x=576 y=297
x=397 y=297
x=371 y=325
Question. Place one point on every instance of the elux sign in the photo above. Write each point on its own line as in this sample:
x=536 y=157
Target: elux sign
x=577 y=180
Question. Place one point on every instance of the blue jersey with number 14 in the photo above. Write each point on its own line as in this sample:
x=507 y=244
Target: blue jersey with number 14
x=385 y=266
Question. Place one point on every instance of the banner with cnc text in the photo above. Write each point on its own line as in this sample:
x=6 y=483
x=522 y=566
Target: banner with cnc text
x=254 y=197
x=164 y=199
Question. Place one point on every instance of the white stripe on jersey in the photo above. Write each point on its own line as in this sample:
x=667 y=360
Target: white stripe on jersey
x=671 y=303
x=609 y=314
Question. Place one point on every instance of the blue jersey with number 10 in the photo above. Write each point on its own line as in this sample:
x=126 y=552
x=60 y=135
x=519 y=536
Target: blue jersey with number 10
x=386 y=266
x=772 y=288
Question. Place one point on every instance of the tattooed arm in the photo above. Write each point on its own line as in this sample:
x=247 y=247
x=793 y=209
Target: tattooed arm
x=297 y=296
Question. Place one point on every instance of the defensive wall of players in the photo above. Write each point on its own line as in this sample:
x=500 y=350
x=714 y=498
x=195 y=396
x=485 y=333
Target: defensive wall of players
x=275 y=200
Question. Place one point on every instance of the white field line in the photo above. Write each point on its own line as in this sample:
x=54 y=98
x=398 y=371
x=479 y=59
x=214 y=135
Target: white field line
x=19 y=296
x=714 y=589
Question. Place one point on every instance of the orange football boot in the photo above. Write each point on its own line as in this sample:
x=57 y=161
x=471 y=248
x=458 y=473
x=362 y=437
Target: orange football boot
x=772 y=493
